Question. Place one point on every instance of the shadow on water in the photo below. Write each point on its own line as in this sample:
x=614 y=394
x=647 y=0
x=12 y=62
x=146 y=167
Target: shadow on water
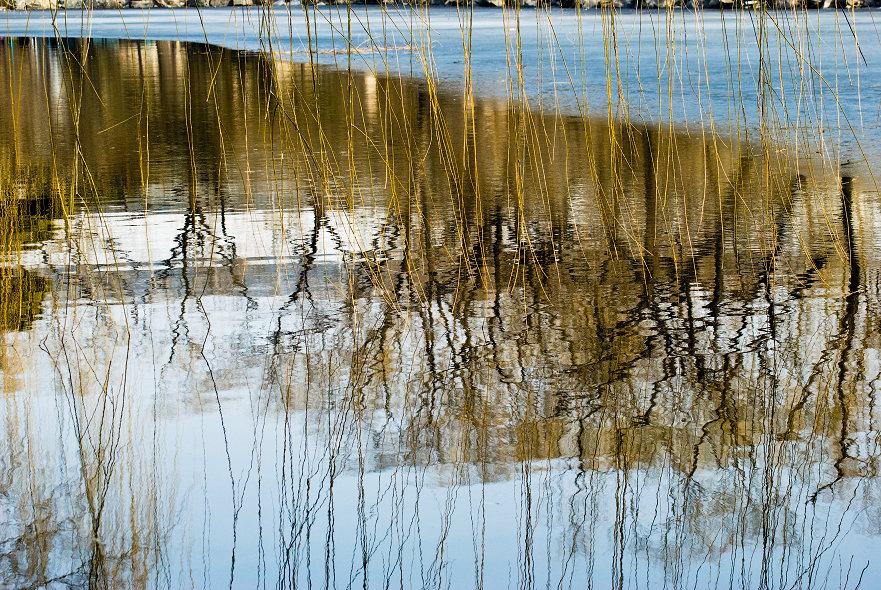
x=288 y=326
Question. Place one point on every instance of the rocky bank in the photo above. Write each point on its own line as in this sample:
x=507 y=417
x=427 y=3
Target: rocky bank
x=590 y=4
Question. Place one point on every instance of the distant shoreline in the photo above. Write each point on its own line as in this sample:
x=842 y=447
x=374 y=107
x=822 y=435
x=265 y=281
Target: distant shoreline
x=19 y=5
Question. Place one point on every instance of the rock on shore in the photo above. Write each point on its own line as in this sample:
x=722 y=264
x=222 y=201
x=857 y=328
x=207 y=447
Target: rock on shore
x=589 y=4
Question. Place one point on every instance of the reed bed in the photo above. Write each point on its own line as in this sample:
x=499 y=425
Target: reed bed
x=323 y=314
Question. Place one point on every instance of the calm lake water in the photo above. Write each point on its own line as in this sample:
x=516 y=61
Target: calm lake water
x=269 y=324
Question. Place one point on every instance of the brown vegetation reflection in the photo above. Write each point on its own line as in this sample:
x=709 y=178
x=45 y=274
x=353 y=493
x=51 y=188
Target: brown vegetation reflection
x=399 y=280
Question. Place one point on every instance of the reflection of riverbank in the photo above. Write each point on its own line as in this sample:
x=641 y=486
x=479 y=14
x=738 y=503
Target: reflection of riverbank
x=627 y=262
x=316 y=305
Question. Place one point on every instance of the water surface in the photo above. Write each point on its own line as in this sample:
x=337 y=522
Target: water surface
x=271 y=324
